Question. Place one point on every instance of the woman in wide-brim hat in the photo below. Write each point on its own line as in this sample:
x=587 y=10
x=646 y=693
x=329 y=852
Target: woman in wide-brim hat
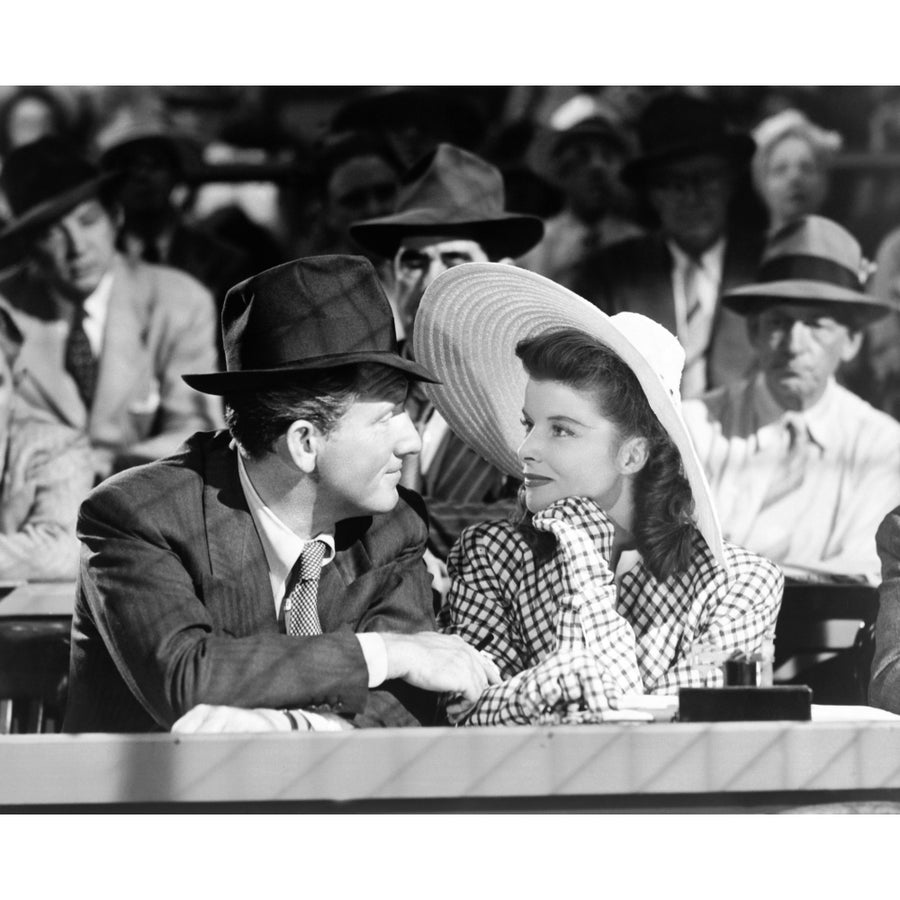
x=617 y=567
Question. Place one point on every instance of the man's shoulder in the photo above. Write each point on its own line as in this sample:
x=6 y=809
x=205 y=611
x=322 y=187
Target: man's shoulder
x=170 y=287
x=864 y=415
x=170 y=481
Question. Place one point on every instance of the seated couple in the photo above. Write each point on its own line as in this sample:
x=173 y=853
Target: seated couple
x=271 y=576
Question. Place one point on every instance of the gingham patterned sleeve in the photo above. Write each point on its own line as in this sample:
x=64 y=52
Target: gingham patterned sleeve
x=739 y=609
x=485 y=566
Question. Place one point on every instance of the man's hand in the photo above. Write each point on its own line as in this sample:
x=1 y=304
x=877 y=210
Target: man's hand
x=439 y=662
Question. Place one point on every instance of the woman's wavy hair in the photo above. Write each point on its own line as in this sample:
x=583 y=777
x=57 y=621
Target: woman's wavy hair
x=664 y=504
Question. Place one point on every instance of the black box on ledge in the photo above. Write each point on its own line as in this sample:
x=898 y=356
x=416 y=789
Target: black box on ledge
x=745 y=704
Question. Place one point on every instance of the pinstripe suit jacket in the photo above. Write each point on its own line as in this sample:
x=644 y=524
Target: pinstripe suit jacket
x=174 y=605
x=462 y=489
x=636 y=276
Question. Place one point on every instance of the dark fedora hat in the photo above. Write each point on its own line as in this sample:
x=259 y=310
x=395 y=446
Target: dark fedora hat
x=455 y=193
x=674 y=125
x=811 y=261
x=319 y=312
x=42 y=181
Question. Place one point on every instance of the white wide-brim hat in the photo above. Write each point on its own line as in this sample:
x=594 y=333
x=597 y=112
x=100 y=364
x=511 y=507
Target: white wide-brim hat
x=467 y=326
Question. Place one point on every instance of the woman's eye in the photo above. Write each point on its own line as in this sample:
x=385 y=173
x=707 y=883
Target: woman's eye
x=526 y=424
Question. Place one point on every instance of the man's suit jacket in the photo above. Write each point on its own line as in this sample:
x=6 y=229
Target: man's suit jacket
x=174 y=606
x=46 y=473
x=884 y=688
x=160 y=324
x=636 y=276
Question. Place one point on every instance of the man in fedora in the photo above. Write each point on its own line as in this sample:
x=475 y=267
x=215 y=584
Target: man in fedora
x=450 y=211
x=271 y=575
x=802 y=470
x=687 y=170
x=105 y=340
x=154 y=161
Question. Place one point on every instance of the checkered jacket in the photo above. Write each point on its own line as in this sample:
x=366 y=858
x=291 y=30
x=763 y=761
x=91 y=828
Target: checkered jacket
x=527 y=615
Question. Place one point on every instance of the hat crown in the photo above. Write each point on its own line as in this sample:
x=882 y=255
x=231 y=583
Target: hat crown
x=456 y=182
x=306 y=309
x=679 y=121
x=816 y=236
x=658 y=346
x=41 y=171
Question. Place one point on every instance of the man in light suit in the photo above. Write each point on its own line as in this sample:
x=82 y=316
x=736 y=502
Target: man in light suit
x=451 y=210
x=45 y=473
x=105 y=340
x=272 y=577
x=687 y=171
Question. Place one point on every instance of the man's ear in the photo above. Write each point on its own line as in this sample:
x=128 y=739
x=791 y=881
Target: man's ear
x=851 y=345
x=632 y=455
x=301 y=445
x=753 y=327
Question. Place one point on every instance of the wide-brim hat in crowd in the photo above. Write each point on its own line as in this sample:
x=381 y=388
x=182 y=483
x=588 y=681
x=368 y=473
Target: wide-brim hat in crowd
x=452 y=193
x=675 y=125
x=811 y=261
x=315 y=313
x=468 y=324
x=129 y=129
x=42 y=181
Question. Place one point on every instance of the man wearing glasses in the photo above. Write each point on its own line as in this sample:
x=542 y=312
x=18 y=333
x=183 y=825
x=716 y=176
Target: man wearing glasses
x=687 y=172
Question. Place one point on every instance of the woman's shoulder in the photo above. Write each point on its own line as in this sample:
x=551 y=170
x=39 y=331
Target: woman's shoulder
x=743 y=565
x=500 y=544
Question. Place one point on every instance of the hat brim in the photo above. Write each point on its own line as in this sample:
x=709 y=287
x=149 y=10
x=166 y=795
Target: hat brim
x=509 y=235
x=21 y=232
x=221 y=383
x=738 y=148
x=467 y=327
x=753 y=298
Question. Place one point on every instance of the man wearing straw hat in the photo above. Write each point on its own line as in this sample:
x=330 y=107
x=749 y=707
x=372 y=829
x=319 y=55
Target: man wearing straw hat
x=451 y=211
x=801 y=469
x=271 y=576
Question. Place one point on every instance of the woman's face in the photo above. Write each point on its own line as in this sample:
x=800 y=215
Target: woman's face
x=794 y=183
x=570 y=448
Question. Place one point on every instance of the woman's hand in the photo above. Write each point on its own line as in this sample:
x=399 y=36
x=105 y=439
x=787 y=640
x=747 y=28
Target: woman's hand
x=585 y=536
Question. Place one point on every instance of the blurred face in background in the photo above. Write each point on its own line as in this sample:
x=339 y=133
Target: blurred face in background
x=794 y=182
x=588 y=172
x=691 y=196
x=419 y=261
x=364 y=187
x=78 y=250
x=151 y=176
x=800 y=348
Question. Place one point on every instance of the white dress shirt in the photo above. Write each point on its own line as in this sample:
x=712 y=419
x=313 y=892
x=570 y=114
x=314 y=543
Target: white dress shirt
x=282 y=548
x=695 y=337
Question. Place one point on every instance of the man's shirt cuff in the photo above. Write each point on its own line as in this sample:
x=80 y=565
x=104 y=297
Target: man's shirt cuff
x=375 y=653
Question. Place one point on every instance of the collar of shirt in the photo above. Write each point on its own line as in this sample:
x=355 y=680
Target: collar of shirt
x=281 y=546
x=96 y=308
x=821 y=418
x=709 y=263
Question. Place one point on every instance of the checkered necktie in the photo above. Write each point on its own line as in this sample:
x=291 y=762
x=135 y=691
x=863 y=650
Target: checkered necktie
x=300 y=613
x=80 y=362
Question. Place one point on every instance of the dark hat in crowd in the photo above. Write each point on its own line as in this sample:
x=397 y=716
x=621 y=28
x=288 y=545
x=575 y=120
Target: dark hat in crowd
x=310 y=314
x=42 y=181
x=445 y=113
x=129 y=130
x=452 y=193
x=674 y=125
x=593 y=127
x=811 y=261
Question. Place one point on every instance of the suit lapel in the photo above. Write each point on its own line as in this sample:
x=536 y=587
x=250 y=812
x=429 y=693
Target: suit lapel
x=123 y=358
x=239 y=597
